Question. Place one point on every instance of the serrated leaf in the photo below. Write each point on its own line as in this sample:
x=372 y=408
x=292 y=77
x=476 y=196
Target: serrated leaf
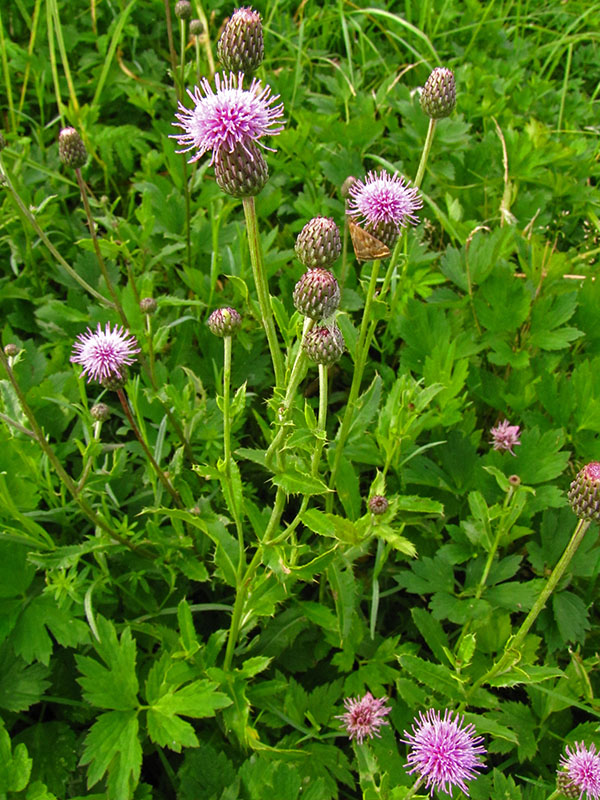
x=112 y=746
x=20 y=685
x=15 y=765
x=344 y=591
x=113 y=684
x=30 y=637
x=436 y=676
x=294 y=482
x=571 y=615
x=433 y=633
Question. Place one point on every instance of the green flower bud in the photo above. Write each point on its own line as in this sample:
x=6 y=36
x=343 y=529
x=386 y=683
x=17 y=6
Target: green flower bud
x=224 y=322
x=71 y=149
x=240 y=174
x=317 y=294
x=241 y=46
x=318 y=243
x=438 y=98
x=324 y=344
x=584 y=494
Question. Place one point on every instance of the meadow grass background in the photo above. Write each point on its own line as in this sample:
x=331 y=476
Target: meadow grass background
x=111 y=659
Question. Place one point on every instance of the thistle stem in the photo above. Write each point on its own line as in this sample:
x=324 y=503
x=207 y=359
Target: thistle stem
x=159 y=472
x=511 y=653
x=262 y=289
x=413 y=790
x=99 y=256
x=296 y=375
x=34 y=224
x=64 y=476
x=186 y=186
x=367 y=330
x=425 y=153
x=227 y=448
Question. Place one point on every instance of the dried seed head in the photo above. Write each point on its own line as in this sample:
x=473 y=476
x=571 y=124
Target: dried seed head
x=183 y=9
x=148 y=305
x=100 y=412
x=378 y=504
x=324 y=344
x=11 y=350
x=224 y=322
x=196 y=27
x=317 y=294
x=584 y=494
x=71 y=149
x=438 y=98
x=243 y=172
x=241 y=46
x=318 y=243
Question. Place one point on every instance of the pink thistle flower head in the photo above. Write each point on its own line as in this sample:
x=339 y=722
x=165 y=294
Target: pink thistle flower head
x=105 y=353
x=505 y=436
x=383 y=204
x=229 y=118
x=364 y=716
x=582 y=765
x=443 y=751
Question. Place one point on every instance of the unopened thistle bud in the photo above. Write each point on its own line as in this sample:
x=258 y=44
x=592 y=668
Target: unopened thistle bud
x=148 y=305
x=324 y=344
x=100 y=412
x=565 y=785
x=183 y=9
x=241 y=47
x=347 y=185
x=196 y=27
x=11 y=350
x=584 y=494
x=71 y=149
x=224 y=322
x=438 y=98
x=378 y=504
x=243 y=172
x=318 y=243
x=317 y=294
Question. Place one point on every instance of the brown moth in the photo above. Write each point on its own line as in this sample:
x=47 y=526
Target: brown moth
x=366 y=246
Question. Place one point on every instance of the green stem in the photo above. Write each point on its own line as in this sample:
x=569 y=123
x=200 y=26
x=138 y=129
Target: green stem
x=7 y=82
x=244 y=584
x=34 y=224
x=413 y=790
x=159 y=472
x=99 y=256
x=151 y=370
x=511 y=653
x=64 y=476
x=262 y=289
x=367 y=330
x=425 y=153
x=172 y=53
x=226 y=400
x=296 y=375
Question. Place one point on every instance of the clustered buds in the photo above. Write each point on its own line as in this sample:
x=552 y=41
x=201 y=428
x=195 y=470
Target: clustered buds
x=584 y=494
x=241 y=46
x=183 y=9
x=224 y=322
x=239 y=174
x=71 y=149
x=318 y=243
x=148 y=305
x=100 y=412
x=317 y=294
x=378 y=504
x=438 y=98
x=324 y=344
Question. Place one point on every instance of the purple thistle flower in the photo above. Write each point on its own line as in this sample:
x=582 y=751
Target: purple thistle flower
x=583 y=768
x=364 y=716
x=383 y=203
x=104 y=354
x=229 y=117
x=443 y=752
x=505 y=436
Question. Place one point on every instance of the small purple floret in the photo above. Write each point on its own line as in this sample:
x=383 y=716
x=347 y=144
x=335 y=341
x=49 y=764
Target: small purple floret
x=383 y=199
x=103 y=354
x=505 y=436
x=228 y=117
x=364 y=716
x=583 y=767
x=443 y=751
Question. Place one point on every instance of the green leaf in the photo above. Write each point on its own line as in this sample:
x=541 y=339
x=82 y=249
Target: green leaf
x=20 y=685
x=187 y=631
x=15 y=573
x=15 y=767
x=31 y=639
x=54 y=747
x=294 y=482
x=433 y=633
x=112 y=746
x=419 y=505
x=436 y=676
x=571 y=615
x=348 y=489
x=114 y=685
x=344 y=591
